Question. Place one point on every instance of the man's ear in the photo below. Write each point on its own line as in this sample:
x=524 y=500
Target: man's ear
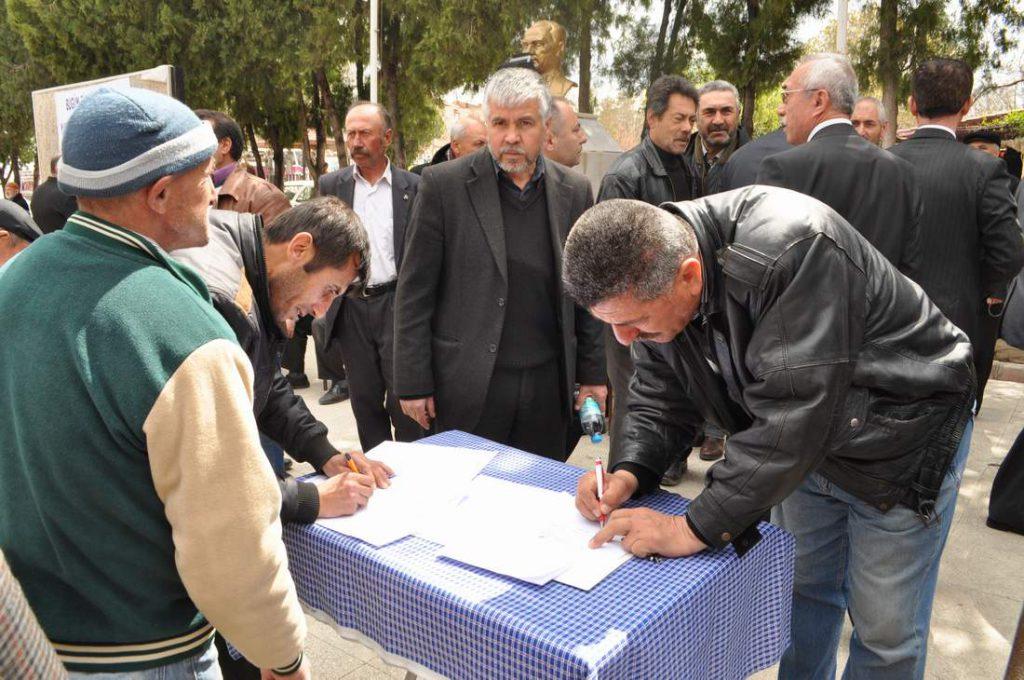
x=301 y=248
x=966 y=108
x=5 y=238
x=912 y=105
x=156 y=194
x=224 y=147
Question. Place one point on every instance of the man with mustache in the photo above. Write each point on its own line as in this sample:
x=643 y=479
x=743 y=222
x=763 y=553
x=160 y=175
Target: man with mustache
x=718 y=134
x=655 y=171
x=485 y=339
x=361 y=327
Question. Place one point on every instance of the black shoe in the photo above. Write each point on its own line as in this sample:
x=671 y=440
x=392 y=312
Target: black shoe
x=713 y=448
x=675 y=473
x=337 y=394
x=297 y=380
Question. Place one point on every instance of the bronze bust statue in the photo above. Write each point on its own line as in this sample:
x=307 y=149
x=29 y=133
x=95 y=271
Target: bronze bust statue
x=545 y=42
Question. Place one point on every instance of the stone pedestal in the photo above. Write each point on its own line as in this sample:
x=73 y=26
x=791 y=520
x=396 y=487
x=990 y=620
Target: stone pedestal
x=599 y=152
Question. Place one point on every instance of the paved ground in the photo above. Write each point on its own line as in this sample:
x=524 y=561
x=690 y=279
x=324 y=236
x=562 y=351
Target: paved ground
x=980 y=594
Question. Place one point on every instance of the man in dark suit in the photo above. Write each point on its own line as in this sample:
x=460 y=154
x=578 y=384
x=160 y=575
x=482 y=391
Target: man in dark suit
x=51 y=207
x=363 y=325
x=872 y=189
x=742 y=167
x=486 y=340
x=970 y=239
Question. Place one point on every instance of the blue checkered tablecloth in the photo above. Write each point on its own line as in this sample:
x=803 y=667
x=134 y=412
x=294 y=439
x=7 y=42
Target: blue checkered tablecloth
x=704 y=617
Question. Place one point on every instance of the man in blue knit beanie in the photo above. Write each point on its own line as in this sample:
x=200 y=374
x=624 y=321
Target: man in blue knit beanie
x=136 y=506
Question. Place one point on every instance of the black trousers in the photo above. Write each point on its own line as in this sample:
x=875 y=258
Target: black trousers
x=234 y=669
x=525 y=408
x=330 y=365
x=293 y=357
x=1006 y=505
x=366 y=335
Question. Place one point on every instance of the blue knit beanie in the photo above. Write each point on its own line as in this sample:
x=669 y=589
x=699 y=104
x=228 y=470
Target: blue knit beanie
x=118 y=141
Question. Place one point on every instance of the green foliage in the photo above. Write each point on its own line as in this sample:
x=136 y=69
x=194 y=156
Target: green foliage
x=19 y=75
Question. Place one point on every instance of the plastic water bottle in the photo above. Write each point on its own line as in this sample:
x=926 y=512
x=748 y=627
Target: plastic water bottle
x=592 y=420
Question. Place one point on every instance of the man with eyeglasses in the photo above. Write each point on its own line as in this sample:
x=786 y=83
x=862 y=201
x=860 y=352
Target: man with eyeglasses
x=872 y=189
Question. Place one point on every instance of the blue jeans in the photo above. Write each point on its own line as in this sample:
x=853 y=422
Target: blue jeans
x=199 y=667
x=882 y=568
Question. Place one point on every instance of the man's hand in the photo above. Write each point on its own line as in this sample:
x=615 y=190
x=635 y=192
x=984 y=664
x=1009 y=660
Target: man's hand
x=598 y=392
x=420 y=410
x=647 y=532
x=344 y=494
x=304 y=673
x=618 y=487
x=380 y=472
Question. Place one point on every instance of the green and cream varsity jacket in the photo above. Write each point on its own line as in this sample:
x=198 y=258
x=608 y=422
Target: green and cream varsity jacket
x=137 y=508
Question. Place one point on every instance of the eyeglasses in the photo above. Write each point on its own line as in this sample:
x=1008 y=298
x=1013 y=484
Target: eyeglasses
x=786 y=93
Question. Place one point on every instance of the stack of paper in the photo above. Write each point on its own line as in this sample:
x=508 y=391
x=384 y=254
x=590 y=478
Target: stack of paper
x=428 y=480
x=525 y=532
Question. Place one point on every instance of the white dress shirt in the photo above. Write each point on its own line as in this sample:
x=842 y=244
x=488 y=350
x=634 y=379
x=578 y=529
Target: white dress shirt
x=372 y=202
x=825 y=123
x=951 y=131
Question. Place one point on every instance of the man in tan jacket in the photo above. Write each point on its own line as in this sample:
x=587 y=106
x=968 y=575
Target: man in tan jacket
x=237 y=188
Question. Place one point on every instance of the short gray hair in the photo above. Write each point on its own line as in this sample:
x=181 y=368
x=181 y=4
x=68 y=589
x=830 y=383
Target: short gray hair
x=515 y=87
x=625 y=246
x=834 y=74
x=557 y=118
x=720 y=86
x=458 y=128
x=883 y=117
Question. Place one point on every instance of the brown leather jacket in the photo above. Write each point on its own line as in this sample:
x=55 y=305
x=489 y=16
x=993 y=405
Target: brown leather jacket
x=245 y=192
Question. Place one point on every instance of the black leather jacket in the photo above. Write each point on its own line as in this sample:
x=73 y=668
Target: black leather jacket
x=814 y=353
x=639 y=174
x=233 y=267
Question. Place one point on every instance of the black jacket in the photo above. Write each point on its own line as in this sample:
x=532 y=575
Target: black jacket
x=742 y=167
x=826 y=359
x=450 y=308
x=639 y=174
x=342 y=183
x=708 y=178
x=970 y=238
x=51 y=207
x=233 y=267
x=872 y=189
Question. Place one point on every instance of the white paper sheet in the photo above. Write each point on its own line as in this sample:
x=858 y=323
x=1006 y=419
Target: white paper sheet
x=428 y=480
x=525 y=532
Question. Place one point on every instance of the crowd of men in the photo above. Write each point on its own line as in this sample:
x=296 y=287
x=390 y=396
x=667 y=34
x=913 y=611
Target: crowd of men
x=817 y=312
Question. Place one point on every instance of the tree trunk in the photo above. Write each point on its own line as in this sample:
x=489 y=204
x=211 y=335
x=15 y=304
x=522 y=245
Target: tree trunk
x=389 y=73
x=888 y=67
x=659 y=50
x=362 y=83
x=586 y=16
x=749 y=94
x=15 y=162
x=35 y=172
x=748 y=89
x=337 y=125
x=307 y=156
x=274 y=140
x=673 y=39
x=251 y=134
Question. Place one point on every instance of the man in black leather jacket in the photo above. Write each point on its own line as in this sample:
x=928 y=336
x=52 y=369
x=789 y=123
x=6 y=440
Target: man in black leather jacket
x=846 y=393
x=262 y=281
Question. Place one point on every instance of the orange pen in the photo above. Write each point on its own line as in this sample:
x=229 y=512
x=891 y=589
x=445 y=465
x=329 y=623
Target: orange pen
x=351 y=463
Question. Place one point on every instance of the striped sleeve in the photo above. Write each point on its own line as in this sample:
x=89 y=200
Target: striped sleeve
x=222 y=501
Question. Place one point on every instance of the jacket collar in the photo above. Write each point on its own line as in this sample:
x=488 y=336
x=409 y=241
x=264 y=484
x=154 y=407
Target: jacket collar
x=650 y=155
x=934 y=133
x=233 y=184
x=710 y=243
x=101 y=231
